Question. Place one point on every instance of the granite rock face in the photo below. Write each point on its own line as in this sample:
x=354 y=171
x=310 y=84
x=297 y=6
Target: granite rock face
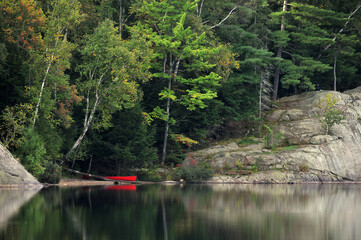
x=12 y=172
x=313 y=156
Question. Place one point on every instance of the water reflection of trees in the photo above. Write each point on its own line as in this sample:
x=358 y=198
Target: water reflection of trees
x=281 y=211
x=96 y=213
x=191 y=212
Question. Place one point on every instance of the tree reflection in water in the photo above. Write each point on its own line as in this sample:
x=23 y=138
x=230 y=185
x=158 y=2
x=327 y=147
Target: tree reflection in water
x=186 y=212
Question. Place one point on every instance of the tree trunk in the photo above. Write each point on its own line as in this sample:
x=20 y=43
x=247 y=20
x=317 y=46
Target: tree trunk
x=166 y=129
x=90 y=163
x=276 y=82
x=334 y=72
x=89 y=116
x=85 y=129
x=96 y=176
x=199 y=8
x=42 y=89
x=279 y=55
x=120 y=17
x=260 y=104
x=260 y=95
x=47 y=72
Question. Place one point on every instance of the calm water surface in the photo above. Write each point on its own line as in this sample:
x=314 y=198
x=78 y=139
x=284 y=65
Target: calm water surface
x=183 y=212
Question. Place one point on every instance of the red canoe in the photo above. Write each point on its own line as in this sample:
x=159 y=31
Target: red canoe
x=123 y=178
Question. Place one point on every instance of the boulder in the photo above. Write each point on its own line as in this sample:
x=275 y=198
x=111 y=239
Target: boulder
x=12 y=172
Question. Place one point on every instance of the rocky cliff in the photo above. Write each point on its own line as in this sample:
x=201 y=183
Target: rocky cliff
x=307 y=153
x=12 y=172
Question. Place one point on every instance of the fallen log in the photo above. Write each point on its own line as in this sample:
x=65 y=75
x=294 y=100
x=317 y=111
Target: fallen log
x=97 y=177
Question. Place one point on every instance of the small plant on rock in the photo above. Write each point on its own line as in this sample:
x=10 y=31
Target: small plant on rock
x=272 y=139
x=330 y=115
x=303 y=167
x=239 y=164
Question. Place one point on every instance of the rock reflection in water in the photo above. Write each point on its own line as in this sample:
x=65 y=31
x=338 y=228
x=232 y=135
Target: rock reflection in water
x=281 y=211
x=11 y=200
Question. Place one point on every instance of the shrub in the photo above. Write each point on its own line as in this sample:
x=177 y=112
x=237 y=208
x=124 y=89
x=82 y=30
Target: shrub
x=272 y=139
x=52 y=173
x=151 y=176
x=13 y=124
x=194 y=173
x=330 y=115
x=32 y=152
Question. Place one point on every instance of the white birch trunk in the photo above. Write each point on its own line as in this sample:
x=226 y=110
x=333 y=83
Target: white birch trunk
x=85 y=130
x=88 y=119
x=42 y=89
x=166 y=130
x=47 y=73
x=199 y=8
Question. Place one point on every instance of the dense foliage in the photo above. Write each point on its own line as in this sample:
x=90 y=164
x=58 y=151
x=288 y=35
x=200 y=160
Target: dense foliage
x=110 y=85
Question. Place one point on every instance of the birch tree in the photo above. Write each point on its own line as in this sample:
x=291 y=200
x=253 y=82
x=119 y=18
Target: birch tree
x=63 y=16
x=111 y=71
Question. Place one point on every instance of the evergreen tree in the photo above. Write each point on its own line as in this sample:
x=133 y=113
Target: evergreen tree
x=307 y=30
x=182 y=58
x=247 y=31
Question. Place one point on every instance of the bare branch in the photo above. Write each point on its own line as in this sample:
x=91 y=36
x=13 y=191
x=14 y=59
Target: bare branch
x=229 y=14
x=125 y=21
x=344 y=27
x=205 y=22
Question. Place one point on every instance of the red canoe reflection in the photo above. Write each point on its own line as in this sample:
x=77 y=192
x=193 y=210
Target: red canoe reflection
x=122 y=187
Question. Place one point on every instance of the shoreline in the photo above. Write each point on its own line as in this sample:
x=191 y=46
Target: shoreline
x=75 y=182
x=81 y=183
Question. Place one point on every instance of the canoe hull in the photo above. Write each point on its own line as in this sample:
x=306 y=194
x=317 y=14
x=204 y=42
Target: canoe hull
x=122 y=178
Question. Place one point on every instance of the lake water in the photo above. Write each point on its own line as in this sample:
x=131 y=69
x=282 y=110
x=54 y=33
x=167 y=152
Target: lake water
x=233 y=211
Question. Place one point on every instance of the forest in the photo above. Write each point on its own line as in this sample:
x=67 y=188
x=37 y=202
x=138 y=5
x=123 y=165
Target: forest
x=111 y=85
